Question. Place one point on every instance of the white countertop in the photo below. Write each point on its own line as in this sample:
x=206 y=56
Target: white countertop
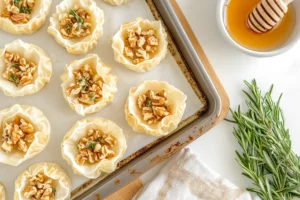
x=217 y=147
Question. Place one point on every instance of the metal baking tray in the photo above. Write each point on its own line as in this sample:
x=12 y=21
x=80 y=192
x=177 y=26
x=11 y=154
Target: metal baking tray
x=186 y=67
x=203 y=76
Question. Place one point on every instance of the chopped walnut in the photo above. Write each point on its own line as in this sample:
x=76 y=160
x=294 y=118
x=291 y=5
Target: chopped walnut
x=87 y=88
x=154 y=106
x=140 y=44
x=18 y=70
x=94 y=147
x=18 y=134
x=18 y=11
x=76 y=23
x=40 y=187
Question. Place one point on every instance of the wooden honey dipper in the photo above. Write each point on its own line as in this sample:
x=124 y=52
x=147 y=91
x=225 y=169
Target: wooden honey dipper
x=267 y=14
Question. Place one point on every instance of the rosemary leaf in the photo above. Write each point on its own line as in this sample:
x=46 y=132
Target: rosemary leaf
x=148 y=102
x=25 y=10
x=83 y=81
x=14 y=79
x=91 y=145
x=14 y=65
x=17 y=2
x=68 y=27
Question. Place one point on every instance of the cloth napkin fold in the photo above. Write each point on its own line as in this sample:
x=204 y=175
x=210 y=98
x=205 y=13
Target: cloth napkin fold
x=185 y=177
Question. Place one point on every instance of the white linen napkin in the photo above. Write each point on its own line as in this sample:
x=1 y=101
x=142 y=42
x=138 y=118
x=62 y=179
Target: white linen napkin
x=185 y=177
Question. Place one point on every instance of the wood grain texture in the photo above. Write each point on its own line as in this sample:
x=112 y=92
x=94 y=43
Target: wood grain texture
x=204 y=59
x=127 y=192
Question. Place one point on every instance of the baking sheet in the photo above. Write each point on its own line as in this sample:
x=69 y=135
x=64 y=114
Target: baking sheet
x=51 y=102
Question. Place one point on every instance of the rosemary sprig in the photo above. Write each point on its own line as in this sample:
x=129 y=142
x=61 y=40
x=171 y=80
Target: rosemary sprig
x=267 y=157
x=78 y=19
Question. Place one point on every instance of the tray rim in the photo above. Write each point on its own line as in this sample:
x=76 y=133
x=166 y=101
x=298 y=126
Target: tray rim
x=204 y=60
x=211 y=121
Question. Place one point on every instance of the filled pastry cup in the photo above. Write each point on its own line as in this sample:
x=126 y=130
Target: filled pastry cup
x=25 y=69
x=88 y=85
x=140 y=45
x=94 y=146
x=2 y=192
x=55 y=181
x=77 y=25
x=155 y=108
x=23 y=17
x=116 y=2
x=25 y=133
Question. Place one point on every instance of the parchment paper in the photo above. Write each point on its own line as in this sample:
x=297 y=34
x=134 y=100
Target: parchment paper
x=51 y=102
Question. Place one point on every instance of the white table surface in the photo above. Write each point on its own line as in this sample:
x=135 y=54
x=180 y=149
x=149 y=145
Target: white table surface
x=217 y=147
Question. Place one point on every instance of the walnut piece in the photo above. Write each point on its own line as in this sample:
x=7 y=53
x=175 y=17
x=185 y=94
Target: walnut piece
x=76 y=23
x=40 y=187
x=95 y=147
x=18 y=11
x=87 y=88
x=154 y=106
x=18 y=70
x=19 y=134
x=140 y=45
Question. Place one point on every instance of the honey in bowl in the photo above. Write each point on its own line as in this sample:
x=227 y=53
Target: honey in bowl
x=237 y=15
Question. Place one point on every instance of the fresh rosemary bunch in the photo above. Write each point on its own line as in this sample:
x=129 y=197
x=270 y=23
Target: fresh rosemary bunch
x=267 y=157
